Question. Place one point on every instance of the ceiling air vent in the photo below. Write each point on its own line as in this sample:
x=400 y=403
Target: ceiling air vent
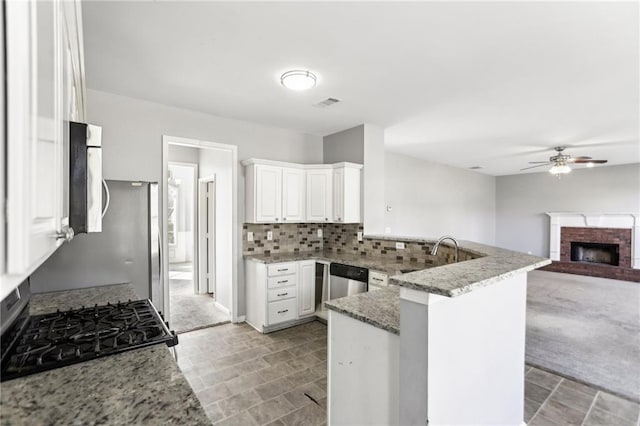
x=326 y=103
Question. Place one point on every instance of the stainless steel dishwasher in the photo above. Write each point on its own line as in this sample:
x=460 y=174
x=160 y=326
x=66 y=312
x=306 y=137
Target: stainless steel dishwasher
x=346 y=280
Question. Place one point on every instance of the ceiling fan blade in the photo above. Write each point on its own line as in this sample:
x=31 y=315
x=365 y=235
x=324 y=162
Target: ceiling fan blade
x=533 y=167
x=574 y=159
x=590 y=161
x=539 y=162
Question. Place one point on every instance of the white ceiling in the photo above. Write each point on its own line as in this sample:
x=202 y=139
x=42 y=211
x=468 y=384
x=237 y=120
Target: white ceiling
x=492 y=84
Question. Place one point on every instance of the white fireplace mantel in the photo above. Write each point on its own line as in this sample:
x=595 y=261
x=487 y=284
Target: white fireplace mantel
x=595 y=220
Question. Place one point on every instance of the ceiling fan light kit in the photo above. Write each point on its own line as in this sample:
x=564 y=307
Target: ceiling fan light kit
x=560 y=169
x=560 y=162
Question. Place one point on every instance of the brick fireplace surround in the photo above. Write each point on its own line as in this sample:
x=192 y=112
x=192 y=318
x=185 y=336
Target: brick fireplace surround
x=619 y=235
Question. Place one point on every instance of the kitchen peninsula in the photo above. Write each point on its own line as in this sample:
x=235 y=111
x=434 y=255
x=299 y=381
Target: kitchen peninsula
x=446 y=346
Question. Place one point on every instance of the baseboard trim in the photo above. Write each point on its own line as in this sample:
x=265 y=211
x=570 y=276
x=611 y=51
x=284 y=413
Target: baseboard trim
x=222 y=308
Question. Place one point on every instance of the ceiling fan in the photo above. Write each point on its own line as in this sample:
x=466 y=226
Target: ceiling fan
x=560 y=162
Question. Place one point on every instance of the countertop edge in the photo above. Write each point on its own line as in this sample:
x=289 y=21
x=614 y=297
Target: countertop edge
x=364 y=318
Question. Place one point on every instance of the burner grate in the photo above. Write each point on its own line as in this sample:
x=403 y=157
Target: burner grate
x=55 y=340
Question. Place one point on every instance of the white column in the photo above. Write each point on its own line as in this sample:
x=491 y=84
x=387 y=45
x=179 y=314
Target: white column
x=468 y=365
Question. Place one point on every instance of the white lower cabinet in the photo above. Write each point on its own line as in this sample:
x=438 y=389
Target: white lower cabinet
x=306 y=287
x=279 y=295
x=281 y=311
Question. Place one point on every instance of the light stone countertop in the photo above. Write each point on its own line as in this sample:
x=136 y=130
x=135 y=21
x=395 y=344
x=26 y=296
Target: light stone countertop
x=456 y=279
x=376 y=263
x=382 y=308
x=142 y=386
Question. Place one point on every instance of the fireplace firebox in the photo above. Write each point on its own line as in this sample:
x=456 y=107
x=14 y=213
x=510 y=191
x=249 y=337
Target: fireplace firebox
x=608 y=254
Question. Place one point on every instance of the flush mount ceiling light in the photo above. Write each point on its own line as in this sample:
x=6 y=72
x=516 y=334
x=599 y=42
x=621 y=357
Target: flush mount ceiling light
x=298 y=80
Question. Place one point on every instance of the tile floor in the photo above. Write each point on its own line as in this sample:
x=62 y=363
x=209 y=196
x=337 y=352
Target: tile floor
x=552 y=400
x=190 y=311
x=243 y=377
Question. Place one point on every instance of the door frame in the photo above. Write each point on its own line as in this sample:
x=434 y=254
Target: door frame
x=201 y=218
x=194 y=167
x=194 y=143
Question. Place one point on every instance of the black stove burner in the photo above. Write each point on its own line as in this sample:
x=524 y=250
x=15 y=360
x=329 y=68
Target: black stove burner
x=62 y=338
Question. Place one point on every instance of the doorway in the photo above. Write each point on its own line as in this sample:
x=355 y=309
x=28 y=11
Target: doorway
x=200 y=227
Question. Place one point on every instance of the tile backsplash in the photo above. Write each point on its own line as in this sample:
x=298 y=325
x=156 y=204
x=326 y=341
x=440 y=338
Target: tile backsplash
x=341 y=238
x=287 y=237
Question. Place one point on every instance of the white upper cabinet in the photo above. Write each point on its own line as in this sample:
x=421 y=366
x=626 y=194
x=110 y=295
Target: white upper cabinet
x=338 y=195
x=37 y=146
x=346 y=194
x=319 y=195
x=277 y=192
x=293 y=194
x=268 y=193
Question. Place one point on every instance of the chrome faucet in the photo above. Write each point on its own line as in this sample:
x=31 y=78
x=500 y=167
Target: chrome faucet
x=434 y=250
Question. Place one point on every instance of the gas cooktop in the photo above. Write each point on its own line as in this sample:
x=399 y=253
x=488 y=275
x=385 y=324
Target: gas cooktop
x=49 y=341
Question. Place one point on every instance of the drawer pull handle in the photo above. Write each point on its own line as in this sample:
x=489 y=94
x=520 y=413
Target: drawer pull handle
x=282 y=294
x=377 y=279
x=283 y=270
x=282 y=312
x=283 y=281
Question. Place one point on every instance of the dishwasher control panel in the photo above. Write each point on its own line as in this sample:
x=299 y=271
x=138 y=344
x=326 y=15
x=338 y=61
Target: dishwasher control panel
x=377 y=280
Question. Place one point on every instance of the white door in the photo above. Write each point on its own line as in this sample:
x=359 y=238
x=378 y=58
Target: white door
x=319 y=195
x=338 y=195
x=269 y=193
x=293 y=194
x=206 y=238
x=35 y=143
x=306 y=288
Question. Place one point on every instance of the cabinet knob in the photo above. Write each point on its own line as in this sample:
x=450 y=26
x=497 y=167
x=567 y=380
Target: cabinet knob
x=65 y=234
x=277 y=219
x=284 y=218
x=326 y=218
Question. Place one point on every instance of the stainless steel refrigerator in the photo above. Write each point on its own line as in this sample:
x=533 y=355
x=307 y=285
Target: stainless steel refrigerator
x=126 y=251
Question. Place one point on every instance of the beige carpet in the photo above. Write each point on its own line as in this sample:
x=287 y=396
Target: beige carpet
x=190 y=311
x=585 y=328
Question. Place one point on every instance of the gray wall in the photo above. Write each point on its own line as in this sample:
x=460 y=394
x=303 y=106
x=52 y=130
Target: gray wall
x=184 y=154
x=430 y=200
x=363 y=144
x=347 y=145
x=132 y=132
x=522 y=200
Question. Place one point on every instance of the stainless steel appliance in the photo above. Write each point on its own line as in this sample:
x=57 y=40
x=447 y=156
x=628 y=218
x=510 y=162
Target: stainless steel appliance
x=32 y=344
x=347 y=280
x=85 y=178
x=378 y=280
x=127 y=251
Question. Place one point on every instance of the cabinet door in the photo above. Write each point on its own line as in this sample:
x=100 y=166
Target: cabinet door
x=293 y=194
x=268 y=193
x=307 y=288
x=350 y=197
x=338 y=195
x=35 y=143
x=73 y=59
x=319 y=195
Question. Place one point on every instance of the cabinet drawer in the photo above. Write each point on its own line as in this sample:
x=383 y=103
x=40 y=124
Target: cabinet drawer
x=282 y=269
x=281 y=293
x=283 y=281
x=282 y=310
x=378 y=279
